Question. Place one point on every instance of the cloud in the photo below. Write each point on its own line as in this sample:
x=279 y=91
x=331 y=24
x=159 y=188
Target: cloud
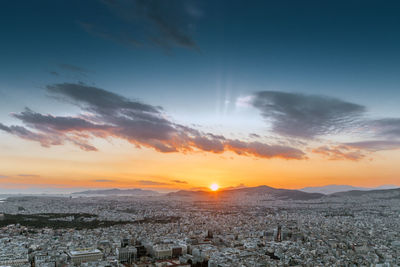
x=253 y=135
x=46 y=140
x=143 y=22
x=209 y=144
x=179 y=182
x=5 y=128
x=73 y=68
x=103 y=181
x=4 y=176
x=51 y=131
x=148 y=182
x=375 y=145
x=340 y=152
x=123 y=38
x=386 y=127
x=305 y=116
x=28 y=175
x=166 y=24
x=54 y=123
x=106 y=114
x=261 y=150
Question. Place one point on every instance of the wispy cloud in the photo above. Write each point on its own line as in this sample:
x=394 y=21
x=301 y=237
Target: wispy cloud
x=340 y=152
x=305 y=116
x=143 y=22
x=73 y=68
x=386 y=127
x=111 y=115
x=28 y=175
x=179 y=181
x=149 y=182
x=375 y=145
x=103 y=181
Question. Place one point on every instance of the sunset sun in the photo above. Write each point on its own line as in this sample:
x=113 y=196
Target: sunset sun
x=214 y=187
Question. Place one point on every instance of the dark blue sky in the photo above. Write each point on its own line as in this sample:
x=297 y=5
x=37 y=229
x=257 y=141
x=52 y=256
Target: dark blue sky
x=195 y=58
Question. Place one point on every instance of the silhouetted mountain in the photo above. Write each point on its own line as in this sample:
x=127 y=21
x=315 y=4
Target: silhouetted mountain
x=331 y=189
x=116 y=191
x=259 y=191
x=383 y=193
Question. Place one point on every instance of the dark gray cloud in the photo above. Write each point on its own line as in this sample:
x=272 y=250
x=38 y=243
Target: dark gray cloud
x=386 y=127
x=148 y=182
x=5 y=128
x=306 y=116
x=99 y=100
x=141 y=22
x=54 y=123
x=111 y=115
x=253 y=135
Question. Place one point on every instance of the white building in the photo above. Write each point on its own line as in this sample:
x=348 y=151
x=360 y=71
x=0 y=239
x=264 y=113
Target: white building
x=85 y=255
x=162 y=252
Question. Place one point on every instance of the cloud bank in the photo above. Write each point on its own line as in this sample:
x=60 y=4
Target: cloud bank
x=109 y=115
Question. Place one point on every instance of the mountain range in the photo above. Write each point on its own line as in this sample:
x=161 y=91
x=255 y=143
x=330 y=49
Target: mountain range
x=263 y=192
x=331 y=189
x=382 y=193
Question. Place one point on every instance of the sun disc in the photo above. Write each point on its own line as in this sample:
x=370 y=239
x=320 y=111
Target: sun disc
x=214 y=187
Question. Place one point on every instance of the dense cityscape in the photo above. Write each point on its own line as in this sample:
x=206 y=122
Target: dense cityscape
x=46 y=231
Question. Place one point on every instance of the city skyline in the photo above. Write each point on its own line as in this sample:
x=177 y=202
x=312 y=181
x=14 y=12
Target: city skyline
x=187 y=94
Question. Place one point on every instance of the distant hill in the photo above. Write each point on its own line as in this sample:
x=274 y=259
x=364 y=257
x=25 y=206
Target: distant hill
x=380 y=193
x=331 y=189
x=263 y=191
x=116 y=191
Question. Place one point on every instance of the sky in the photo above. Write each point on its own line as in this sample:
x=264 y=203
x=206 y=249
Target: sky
x=180 y=94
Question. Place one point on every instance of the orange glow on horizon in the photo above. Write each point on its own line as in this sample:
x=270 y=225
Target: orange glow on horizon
x=28 y=165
